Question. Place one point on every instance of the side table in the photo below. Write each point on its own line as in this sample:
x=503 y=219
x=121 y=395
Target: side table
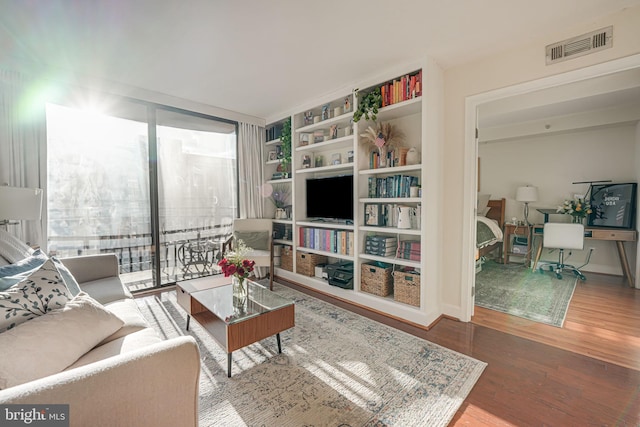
x=516 y=230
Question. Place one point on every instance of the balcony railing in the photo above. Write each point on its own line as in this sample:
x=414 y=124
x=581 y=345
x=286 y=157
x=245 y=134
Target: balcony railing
x=185 y=253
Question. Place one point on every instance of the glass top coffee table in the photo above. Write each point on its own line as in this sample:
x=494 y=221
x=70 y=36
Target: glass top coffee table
x=235 y=325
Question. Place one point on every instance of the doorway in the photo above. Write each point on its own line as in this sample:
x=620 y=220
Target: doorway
x=503 y=98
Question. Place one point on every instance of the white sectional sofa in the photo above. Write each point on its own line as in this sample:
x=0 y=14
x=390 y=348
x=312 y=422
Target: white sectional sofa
x=132 y=377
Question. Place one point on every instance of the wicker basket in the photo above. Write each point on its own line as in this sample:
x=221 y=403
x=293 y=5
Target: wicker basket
x=286 y=258
x=375 y=278
x=306 y=263
x=407 y=288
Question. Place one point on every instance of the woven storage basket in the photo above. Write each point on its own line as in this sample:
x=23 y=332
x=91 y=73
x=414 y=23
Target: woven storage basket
x=306 y=263
x=375 y=278
x=406 y=288
x=286 y=258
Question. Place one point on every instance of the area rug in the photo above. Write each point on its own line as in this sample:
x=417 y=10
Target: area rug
x=519 y=291
x=337 y=369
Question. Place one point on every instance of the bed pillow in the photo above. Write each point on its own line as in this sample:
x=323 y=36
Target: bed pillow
x=66 y=334
x=14 y=273
x=483 y=201
x=41 y=292
x=12 y=249
x=258 y=240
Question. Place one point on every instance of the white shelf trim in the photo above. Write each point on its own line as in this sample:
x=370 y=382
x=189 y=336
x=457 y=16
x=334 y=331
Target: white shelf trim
x=320 y=145
x=391 y=260
x=392 y=170
x=342 y=166
x=346 y=117
x=390 y=200
x=329 y=254
x=391 y=230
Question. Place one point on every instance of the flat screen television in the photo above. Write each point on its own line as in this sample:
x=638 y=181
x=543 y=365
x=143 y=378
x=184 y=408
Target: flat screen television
x=613 y=205
x=330 y=198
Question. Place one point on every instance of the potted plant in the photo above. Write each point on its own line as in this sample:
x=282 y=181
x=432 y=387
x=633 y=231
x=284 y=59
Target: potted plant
x=368 y=105
x=285 y=140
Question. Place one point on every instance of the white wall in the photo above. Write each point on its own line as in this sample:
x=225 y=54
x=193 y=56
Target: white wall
x=552 y=163
x=524 y=64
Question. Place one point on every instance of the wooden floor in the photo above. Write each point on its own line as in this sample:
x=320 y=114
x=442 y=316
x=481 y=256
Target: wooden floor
x=539 y=375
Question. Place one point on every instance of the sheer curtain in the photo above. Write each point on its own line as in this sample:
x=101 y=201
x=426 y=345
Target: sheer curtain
x=251 y=138
x=23 y=145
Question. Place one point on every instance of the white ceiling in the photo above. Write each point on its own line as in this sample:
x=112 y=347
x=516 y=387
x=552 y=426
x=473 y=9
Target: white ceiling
x=609 y=100
x=264 y=57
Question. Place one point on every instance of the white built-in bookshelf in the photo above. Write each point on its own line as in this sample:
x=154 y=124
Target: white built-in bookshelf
x=326 y=142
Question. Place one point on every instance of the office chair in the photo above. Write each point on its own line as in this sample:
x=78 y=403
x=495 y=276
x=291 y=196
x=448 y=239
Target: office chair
x=564 y=236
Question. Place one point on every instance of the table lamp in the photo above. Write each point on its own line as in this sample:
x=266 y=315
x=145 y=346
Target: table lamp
x=19 y=204
x=527 y=194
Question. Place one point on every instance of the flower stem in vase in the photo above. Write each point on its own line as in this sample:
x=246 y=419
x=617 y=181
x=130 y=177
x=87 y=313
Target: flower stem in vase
x=239 y=290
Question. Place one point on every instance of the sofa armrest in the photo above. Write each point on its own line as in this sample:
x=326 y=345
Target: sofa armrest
x=86 y=268
x=153 y=386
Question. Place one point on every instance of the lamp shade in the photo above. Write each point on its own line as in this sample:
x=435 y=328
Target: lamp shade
x=527 y=194
x=20 y=203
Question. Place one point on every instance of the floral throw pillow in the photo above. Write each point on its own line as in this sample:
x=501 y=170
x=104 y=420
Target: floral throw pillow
x=43 y=291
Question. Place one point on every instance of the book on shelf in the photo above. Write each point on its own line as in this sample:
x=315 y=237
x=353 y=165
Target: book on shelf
x=385 y=253
x=373 y=214
x=401 y=89
x=409 y=249
x=327 y=240
x=392 y=186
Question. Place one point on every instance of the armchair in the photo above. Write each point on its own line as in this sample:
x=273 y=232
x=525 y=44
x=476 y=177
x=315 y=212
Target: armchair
x=256 y=233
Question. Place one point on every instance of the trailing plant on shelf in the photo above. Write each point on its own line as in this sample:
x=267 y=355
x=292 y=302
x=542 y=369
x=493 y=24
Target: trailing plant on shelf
x=368 y=105
x=285 y=140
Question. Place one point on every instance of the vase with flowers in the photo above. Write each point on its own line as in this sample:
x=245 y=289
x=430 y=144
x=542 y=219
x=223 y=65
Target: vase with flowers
x=236 y=265
x=577 y=207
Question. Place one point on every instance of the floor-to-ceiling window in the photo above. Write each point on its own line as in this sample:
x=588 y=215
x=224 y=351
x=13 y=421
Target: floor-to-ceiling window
x=155 y=186
x=197 y=198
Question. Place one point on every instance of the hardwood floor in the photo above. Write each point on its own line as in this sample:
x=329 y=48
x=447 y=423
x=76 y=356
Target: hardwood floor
x=587 y=373
x=603 y=321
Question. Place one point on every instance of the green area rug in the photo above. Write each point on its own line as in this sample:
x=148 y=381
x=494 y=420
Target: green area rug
x=337 y=369
x=516 y=290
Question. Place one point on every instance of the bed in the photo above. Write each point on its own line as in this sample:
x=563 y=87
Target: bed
x=489 y=228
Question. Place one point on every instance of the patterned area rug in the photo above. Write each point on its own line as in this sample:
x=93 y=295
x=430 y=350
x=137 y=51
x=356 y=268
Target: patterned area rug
x=337 y=369
x=521 y=292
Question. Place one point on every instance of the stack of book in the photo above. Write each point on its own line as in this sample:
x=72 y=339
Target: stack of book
x=381 y=245
x=409 y=249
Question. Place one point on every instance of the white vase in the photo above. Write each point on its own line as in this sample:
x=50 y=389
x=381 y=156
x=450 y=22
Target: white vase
x=413 y=157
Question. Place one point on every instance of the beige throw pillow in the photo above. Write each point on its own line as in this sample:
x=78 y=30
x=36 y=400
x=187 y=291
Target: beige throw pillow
x=49 y=343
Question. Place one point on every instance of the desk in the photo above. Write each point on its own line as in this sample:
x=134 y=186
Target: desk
x=516 y=230
x=594 y=233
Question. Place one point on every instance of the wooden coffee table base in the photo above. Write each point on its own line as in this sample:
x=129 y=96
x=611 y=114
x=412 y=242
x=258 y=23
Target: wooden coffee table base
x=234 y=336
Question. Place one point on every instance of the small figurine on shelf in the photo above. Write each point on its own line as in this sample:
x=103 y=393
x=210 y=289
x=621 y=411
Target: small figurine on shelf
x=306 y=161
x=347 y=104
x=308 y=118
x=333 y=131
x=325 y=111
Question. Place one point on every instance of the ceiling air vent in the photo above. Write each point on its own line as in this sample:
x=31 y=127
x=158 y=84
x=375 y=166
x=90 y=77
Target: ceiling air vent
x=579 y=46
